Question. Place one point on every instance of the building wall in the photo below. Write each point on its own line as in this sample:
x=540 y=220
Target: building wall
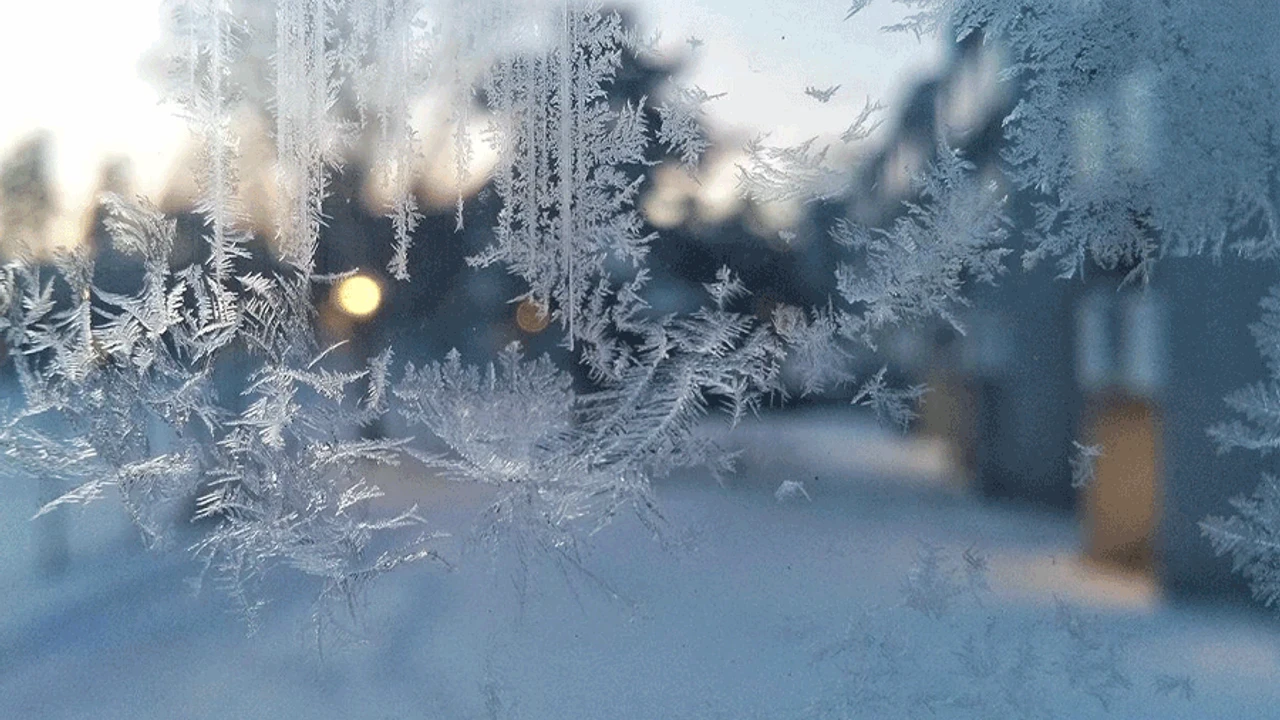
x=1211 y=353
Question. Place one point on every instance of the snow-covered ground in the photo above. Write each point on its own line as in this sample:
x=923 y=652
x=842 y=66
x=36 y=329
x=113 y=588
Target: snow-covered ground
x=751 y=608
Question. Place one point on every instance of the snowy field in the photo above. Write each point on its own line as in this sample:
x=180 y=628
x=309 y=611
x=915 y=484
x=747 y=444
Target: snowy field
x=751 y=608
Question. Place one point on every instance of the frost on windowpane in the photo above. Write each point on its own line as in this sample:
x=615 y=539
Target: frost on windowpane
x=1249 y=536
x=863 y=124
x=917 y=267
x=281 y=488
x=564 y=157
x=940 y=653
x=681 y=127
x=781 y=173
x=385 y=66
x=278 y=485
x=1114 y=137
x=1084 y=464
x=790 y=491
x=822 y=95
x=96 y=368
x=894 y=407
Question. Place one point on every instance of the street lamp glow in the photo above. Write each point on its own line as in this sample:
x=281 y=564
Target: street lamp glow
x=532 y=317
x=358 y=296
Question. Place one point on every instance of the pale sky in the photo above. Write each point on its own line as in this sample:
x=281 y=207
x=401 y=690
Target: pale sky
x=71 y=67
x=763 y=53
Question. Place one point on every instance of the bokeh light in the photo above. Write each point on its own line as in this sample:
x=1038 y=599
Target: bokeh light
x=531 y=317
x=358 y=296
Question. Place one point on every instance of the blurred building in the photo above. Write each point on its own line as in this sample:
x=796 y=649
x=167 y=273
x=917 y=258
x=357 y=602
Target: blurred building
x=1138 y=372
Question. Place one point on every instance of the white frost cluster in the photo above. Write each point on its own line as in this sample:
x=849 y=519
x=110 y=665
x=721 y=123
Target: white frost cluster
x=278 y=485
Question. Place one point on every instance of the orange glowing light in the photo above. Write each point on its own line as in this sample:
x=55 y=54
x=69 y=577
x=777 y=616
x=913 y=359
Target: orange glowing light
x=532 y=317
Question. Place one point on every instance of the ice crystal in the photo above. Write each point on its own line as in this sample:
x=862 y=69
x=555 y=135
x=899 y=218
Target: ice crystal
x=682 y=129
x=822 y=95
x=791 y=490
x=964 y=662
x=1084 y=464
x=564 y=169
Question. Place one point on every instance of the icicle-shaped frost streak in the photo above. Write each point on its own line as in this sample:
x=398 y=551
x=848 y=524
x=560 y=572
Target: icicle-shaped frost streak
x=210 y=33
x=568 y=201
x=221 y=191
x=568 y=114
x=304 y=137
x=396 y=47
x=386 y=71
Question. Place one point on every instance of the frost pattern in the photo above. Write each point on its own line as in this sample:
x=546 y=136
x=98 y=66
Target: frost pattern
x=1113 y=133
x=888 y=664
x=778 y=173
x=1084 y=464
x=682 y=130
x=916 y=268
x=307 y=138
x=1143 y=130
x=791 y=490
x=385 y=65
x=893 y=406
x=822 y=95
x=279 y=485
x=569 y=200
x=863 y=125
x=1250 y=536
